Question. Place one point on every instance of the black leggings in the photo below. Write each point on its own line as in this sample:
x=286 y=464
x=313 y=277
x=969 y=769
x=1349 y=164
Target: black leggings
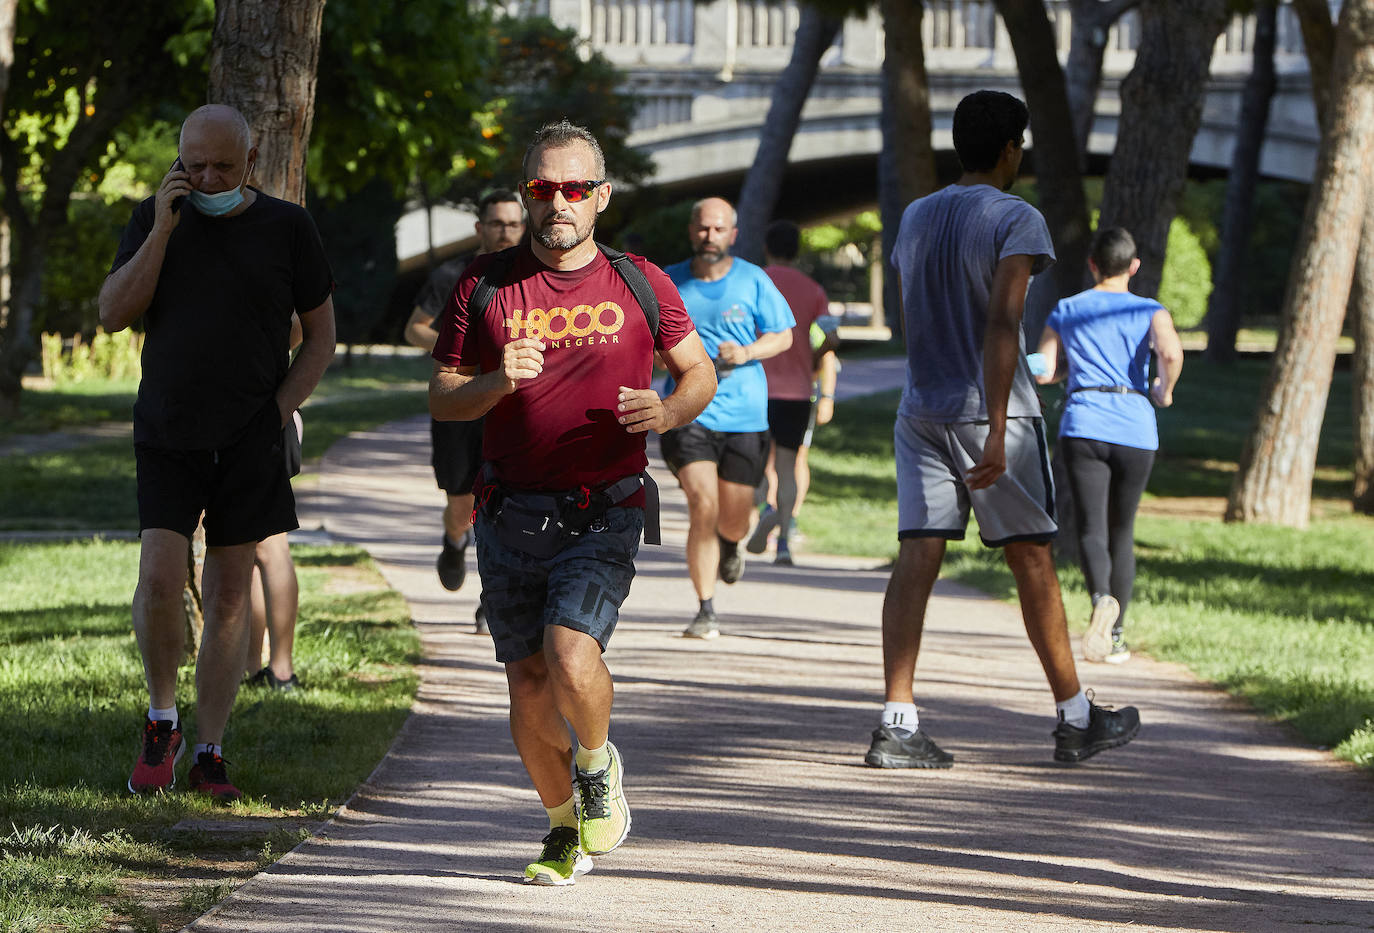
x=1106 y=481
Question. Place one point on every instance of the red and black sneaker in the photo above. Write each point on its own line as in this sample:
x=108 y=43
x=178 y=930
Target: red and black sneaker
x=162 y=749
x=208 y=777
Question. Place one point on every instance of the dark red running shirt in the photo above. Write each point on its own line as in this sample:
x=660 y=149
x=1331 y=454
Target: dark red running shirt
x=558 y=430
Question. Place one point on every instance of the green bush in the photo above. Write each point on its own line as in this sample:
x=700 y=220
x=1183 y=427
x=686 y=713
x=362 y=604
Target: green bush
x=106 y=358
x=1187 y=278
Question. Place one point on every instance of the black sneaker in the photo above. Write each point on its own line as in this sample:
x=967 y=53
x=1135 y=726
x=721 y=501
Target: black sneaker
x=452 y=563
x=731 y=567
x=265 y=678
x=1106 y=728
x=897 y=748
x=703 y=626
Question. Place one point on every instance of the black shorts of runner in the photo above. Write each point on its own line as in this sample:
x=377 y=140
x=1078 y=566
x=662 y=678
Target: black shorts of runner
x=788 y=420
x=582 y=587
x=457 y=454
x=739 y=456
x=243 y=488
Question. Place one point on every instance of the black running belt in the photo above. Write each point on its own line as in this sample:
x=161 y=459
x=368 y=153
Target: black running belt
x=1116 y=390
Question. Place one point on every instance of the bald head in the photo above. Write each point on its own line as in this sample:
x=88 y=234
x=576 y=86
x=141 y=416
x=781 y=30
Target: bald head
x=712 y=232
x=219 y=120
x=718 y=209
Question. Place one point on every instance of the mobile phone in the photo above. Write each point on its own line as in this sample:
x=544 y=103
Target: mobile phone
x=177 y=167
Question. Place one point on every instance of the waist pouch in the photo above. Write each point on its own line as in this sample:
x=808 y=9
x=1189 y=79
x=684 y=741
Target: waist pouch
x=543 y=524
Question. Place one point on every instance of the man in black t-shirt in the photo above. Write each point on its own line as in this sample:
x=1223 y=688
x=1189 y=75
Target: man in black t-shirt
x=457 y=445
x=214 y=269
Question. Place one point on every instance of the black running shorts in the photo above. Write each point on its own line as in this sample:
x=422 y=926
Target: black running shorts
x=242 y=489
x=788 y=420
x=739 y=456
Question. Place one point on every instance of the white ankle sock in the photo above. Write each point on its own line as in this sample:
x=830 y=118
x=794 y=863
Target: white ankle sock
x=593 y=760
x=207 y=747
x=565 y=814
x=1075 y=710
x=901 y=716
x=170 y=713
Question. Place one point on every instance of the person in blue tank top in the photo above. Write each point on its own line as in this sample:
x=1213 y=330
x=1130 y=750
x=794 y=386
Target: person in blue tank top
x=1107 y=434
x=720 y=457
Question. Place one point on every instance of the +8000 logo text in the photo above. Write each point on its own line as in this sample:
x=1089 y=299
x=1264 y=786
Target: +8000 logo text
x=582 y=325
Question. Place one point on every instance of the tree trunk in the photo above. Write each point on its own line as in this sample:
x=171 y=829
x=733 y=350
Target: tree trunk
x=1055 y=152
x=1274 y=483
x=1360 y=314
x=1161 y=109
x=8 y=9
x=906 y=165
x=1318 y=40
x=1083 y=70
x=1224 y=305
x=758 y=196
x=263 y=61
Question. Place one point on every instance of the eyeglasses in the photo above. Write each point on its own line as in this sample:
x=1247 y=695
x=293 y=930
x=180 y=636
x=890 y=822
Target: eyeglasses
x=502 y=225
x=573 y=191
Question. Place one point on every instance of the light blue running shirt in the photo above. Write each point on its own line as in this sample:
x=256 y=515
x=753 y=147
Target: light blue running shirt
x=1106 y=339
x=739 y=307
x=947 y=250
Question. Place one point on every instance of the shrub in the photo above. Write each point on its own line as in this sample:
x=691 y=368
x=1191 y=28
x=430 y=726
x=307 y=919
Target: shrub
x=1187 y=277
x=107 y=357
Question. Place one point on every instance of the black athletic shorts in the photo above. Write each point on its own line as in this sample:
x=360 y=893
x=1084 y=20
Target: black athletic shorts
x=457 y=454
x=243 y=488
x=739 y=456
x=788 y=420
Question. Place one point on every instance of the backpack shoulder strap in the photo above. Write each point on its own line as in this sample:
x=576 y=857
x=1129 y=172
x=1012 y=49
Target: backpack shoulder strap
x=493 y=278
x=638 y=283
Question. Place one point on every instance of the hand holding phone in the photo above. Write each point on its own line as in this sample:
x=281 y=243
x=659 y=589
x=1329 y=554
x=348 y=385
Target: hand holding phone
x=177 y=167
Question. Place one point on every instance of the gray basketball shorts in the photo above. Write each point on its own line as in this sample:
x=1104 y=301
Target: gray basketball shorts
x=933 y=502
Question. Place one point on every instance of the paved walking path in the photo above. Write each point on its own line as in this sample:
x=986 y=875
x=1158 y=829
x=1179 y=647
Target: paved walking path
x=752 y=808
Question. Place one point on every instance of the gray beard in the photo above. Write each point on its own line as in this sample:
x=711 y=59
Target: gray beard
x=549 y=239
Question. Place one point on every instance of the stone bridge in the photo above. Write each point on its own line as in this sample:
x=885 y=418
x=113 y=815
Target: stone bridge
x=705 y=74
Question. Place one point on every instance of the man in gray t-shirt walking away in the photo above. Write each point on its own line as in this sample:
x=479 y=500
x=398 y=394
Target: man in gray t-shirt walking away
x=969 y=432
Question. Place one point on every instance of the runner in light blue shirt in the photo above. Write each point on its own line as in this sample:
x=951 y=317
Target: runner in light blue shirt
x=719 y=458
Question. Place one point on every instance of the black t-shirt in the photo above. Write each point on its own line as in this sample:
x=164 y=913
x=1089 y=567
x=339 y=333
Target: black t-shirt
x=439 y=286
x=219 y=324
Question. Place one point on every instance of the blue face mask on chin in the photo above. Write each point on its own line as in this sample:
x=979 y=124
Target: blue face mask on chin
x=221 y=202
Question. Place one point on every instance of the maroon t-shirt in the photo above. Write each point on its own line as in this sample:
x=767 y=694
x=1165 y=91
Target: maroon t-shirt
x=558 y=430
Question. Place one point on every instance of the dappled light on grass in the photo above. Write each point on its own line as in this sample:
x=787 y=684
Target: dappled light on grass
x=75 y=694
x=1282 y=617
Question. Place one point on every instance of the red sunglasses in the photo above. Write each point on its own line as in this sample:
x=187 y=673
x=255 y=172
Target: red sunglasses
x=573 y=191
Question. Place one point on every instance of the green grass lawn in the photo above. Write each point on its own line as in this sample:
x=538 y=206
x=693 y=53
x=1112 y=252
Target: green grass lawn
x=76 y=848
x=1278 y=616
x=92 y=486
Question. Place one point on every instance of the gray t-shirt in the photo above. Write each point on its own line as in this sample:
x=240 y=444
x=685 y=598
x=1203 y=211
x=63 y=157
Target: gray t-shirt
x=947 y=249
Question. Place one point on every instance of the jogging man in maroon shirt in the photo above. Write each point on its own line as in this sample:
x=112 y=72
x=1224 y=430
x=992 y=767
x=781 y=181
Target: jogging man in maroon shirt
x=560 y=362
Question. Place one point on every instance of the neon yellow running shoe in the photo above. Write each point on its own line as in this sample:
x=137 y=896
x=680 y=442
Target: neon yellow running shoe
x=604 y=816
x=562 y=859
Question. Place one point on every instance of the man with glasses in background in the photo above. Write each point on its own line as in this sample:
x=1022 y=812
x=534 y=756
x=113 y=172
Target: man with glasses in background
x=457 y=445
x=550 y=342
